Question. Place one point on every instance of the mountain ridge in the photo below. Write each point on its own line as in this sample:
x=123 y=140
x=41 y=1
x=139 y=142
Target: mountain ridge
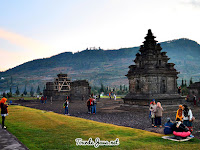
x=101 y=66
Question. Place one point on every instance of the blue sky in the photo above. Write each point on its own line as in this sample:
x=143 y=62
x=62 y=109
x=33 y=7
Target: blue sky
x=31 y=29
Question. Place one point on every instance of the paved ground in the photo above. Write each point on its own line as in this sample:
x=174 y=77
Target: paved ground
x=9 y=141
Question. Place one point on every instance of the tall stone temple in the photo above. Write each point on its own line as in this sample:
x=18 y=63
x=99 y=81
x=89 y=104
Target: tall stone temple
x=152 y=77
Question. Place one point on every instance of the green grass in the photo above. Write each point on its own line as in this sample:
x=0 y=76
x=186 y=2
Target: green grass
x=41 y=130
x=109 y=97
x=17 y=98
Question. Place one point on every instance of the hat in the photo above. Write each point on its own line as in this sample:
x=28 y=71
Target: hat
x=168 y=119
x=153 y=100
x=180 y=106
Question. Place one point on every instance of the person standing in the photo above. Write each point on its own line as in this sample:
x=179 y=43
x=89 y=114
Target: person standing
x=88 y=105
x=4 y=111
x=152 y=108
x=195 y=100
x=115 y=97
x=179 y=114
x=91 y=104
x=94 y=101
x=42 y=99
x=179 y=90
x=158 y=114
x=45 y=99
x=187 y=117
x=66 y=105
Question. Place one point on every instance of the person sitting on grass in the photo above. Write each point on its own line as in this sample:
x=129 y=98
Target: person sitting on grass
x=4 y=111
x=180 y=130
x=168 y=127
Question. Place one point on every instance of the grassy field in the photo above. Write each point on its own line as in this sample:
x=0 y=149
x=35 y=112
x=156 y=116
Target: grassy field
x=41 y=130
x=17 y=98
x=112 y=97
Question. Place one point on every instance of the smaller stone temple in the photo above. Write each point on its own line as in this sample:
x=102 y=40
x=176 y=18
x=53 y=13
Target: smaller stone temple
x=194 y=89
x=152 y=77
x=63 y=86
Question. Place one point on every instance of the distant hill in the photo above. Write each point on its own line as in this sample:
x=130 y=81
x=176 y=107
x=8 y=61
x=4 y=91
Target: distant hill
x=100 y=66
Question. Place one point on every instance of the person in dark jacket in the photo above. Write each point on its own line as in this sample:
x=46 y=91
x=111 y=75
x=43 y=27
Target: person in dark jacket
x=66 y=105
x=4 y=111
x=168 y=127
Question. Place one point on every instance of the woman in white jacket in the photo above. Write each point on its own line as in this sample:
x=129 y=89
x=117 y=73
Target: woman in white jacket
x=187 y=117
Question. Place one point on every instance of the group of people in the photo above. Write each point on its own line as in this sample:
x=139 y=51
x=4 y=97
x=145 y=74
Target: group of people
x=4 y=111
x=91 y=104
x=43 y=99
x=156 y=113
x=111 y=94
x=184 y=118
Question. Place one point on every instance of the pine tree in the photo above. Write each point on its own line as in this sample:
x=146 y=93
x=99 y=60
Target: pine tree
x=10 y=89
x=120 y=88
x=25 y=92
x=17 y=91
x=38 y=90
x=185 y=83
x=182 y=83
x=102 y=88
x=32 y=92
x=191 y=82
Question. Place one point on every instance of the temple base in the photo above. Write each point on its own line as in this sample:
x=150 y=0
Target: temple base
x=145 y=99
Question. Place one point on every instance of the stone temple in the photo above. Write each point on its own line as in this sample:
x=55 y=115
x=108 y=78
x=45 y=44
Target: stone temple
x=62 y=86
x=152 y=77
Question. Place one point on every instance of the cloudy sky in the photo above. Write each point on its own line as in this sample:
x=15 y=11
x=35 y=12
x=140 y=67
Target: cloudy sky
x=32 y=29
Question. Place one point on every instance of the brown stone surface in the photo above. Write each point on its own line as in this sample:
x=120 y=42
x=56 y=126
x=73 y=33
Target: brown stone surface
x=63 y=87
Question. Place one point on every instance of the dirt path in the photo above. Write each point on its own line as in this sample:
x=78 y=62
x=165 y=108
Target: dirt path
x=115 y=112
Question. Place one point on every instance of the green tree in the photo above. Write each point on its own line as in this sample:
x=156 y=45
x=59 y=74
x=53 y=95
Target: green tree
x=17 y=91
x=191 y=82
x=102 y=89
x=120 y=87
x=10 y=89
x=38 y=90
x=182 y=85
x=185 y=83
x=25 y=92
x=32 y=92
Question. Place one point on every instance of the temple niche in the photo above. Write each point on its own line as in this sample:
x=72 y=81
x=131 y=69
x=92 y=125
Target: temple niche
x=152 y=77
